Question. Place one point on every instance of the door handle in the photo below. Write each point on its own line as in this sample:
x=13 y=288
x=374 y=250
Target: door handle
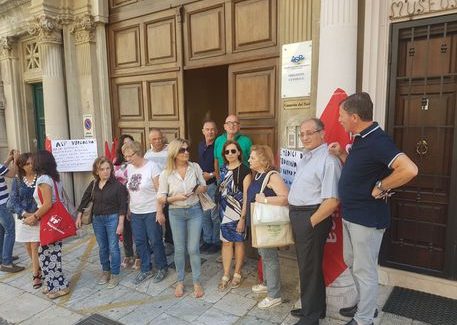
x=422 y=147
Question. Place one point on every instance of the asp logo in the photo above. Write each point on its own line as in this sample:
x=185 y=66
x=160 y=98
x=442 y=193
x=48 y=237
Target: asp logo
x=297 y=58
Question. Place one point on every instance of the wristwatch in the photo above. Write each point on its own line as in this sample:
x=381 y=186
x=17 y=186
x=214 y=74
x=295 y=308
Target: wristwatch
x=211 y=174
x=379 y=186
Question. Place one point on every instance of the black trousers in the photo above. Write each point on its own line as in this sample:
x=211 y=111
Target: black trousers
x=309 y=246
x=128 y=240
x=168 y=235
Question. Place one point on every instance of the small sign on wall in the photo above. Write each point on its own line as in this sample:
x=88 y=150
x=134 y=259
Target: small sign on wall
x=88 y=126
x=296 y=70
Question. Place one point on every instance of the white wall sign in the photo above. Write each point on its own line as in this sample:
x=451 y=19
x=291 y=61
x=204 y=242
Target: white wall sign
x=74 y=155
x=288 y=164
x=296 y=70
x=88 y=126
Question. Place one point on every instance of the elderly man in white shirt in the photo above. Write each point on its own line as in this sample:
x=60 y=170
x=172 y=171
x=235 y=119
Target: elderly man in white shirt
x=313 y=197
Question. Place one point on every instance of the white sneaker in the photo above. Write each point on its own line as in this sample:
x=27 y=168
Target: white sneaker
x=269 y=302
x=260 y=288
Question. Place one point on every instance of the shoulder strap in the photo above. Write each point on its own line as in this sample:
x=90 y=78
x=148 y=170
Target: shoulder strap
x=93 y=188
x=41 y=195
x=266 y=179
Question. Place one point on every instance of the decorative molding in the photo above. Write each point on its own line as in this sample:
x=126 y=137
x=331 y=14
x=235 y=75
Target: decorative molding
x=83 y=29
x=6 y=47
x=6 y=6
x=47 y=29
x=409 y=8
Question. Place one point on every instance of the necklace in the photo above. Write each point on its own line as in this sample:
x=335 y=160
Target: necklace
x=258 y=176
x=32 y=184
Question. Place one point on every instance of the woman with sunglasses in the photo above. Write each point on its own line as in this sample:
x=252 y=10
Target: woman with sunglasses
x=235 y=180
x=23 y=205
x=180 y=183
x=120 y=172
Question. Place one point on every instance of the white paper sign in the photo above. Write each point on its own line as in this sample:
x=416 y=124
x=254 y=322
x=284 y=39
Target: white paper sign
x=288 y=164
x=74 y=155
x=296 y=70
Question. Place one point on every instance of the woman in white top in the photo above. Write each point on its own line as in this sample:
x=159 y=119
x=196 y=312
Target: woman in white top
x=146 y=220
x=180 y=183
x=47 y=183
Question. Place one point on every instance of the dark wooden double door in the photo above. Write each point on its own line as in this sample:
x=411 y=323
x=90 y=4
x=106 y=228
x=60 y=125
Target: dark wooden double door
x=422 y=120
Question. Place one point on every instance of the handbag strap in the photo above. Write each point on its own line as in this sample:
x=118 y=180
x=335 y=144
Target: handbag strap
x=55 y=188
x=93 y=189
x=266 y=179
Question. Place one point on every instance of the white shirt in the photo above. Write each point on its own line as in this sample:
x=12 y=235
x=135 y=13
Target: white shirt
x=159 y=157
x=173 y=184
x=143 y=195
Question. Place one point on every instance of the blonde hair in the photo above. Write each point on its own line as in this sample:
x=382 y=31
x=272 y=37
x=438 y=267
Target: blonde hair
x=265 y=156
x=173 y=151
x=135 y=146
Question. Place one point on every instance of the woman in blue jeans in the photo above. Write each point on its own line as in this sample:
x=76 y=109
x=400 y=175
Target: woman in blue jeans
x=179 y=185
x=274 y=193
x=146 y=219
x=109 y=209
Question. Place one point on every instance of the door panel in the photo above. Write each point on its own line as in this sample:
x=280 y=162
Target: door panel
x=38 y=103
x=422 y=120
x=253 y=91
x=146 y=75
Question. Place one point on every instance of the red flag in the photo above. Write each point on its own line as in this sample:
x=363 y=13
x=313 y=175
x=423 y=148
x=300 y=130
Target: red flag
x=47 y=144
x=107 y=151
x=333 y=264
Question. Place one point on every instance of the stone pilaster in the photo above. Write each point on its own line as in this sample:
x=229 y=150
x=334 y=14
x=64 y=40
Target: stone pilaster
x=12 y=100
x=337 y=49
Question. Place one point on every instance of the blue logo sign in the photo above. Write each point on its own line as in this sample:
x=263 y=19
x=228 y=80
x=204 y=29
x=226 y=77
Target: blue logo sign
x=87 y=124
x=297 y=59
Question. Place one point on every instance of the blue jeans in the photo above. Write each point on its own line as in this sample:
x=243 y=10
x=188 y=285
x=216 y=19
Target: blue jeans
x=7 y=235
x=108 y=242
x=148 y=238
x=211 y=222
x=186 y=226
x=361 y=249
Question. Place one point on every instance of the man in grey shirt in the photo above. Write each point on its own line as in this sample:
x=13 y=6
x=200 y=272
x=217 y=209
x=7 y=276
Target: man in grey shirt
x=313 y=197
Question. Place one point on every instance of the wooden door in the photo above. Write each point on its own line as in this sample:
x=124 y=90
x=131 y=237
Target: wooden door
x=146 y=75
x=38 y=105
x=422 y=120
x=253 y=91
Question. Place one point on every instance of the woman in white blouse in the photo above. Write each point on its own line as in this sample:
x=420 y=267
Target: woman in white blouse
x=179 y=185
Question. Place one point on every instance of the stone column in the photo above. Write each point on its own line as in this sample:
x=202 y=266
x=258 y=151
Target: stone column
x=337 y=69
x=337 y=49
x=49 y=35
x=10 y=115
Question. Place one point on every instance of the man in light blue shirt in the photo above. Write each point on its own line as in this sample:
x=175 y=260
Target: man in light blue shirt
x=313 y=197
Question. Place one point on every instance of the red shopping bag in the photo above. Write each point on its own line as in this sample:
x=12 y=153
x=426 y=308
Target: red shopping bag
x=57 y=223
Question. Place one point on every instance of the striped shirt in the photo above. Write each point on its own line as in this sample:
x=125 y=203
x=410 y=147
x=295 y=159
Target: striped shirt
x=3 y=188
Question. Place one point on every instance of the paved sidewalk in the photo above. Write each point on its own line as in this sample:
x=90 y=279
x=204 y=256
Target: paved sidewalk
x=151 y=303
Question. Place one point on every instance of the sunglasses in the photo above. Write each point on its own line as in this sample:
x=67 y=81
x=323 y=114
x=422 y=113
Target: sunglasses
x=183 y=150
x=232 y=151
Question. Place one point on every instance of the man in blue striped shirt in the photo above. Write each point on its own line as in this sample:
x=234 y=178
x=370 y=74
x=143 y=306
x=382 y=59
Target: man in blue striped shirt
x=7 y=231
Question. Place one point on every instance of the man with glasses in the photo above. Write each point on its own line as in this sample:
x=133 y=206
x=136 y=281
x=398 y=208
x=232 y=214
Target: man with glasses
x=158 y=153
x=232 y=132
x=313 y=197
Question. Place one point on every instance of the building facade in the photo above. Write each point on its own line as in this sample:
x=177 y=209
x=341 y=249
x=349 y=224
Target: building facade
x=133 y=65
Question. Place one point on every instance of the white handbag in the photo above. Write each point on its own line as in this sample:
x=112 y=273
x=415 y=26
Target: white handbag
x=268 y=214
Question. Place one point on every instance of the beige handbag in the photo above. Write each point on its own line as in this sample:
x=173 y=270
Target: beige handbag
x=205 y=200
x=86 y=218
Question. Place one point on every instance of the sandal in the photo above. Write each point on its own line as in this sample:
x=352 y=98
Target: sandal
x=137 y=264
x=179 y=291
x=36 y=281
x=223 y=284
x=127 y=261
x=198 y=291
x=236 y=280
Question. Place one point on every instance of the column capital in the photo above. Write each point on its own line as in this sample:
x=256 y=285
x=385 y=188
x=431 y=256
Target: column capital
x=46 y=28
x=83 y=29
x=6 y=47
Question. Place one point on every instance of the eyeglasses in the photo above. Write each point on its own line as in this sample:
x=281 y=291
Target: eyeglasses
x=129 y=156
x=230 y=123
x=183 y=150
x=308 y=134
x=232 y=151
